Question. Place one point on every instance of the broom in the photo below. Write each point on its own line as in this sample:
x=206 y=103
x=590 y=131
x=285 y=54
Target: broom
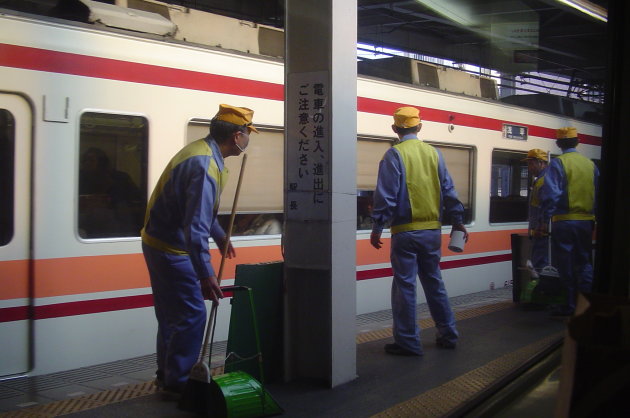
x=200 y=387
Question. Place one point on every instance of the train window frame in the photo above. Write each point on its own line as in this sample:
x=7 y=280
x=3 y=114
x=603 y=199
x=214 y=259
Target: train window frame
x=366 y=183
x=271 y=217
x=135 y=185
x=470 y=212
x=522 y=203
x=7 y=179
x=364 y=196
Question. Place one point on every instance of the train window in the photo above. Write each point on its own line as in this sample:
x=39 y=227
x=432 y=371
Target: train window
x=246 y=224
x=365 y=200
x=7 y=163
x=508 y=187
x=459 y=161
x=112 y=175
x=369 y=154
x=261 y=200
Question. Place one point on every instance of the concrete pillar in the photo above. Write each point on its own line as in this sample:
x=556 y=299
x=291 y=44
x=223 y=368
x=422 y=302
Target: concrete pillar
x=320 y=190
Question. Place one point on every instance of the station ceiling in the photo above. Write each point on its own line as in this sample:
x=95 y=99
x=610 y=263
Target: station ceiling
x=511 y=36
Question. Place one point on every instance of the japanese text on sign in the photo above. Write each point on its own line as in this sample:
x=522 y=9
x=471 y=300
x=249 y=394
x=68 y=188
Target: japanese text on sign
x=308 y=144
x=515 y=132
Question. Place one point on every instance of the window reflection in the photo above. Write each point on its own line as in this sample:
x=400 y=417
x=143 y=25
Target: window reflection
x=7 y=179
x=112 y=175
x=508 y=187
x=246 y=224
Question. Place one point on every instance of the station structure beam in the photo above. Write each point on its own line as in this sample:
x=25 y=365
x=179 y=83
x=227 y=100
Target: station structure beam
x=319 y=240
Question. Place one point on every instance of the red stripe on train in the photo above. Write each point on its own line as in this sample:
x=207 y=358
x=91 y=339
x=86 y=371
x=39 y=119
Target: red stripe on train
x=86 y=307
x=59 y=310
x=17 y=313
x=383 y=107
x=111 y=69
x=444 y=265
x=88 y=66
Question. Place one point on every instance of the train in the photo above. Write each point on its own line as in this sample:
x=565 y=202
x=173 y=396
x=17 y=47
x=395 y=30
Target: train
x=89 y=117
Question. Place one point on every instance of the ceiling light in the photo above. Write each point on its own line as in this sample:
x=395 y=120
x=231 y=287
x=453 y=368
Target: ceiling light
x=588 y=8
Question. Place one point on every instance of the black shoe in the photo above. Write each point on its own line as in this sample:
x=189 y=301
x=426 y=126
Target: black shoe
x=167 y=393
x=170 y=394
x=397 y=350
x=444 y=343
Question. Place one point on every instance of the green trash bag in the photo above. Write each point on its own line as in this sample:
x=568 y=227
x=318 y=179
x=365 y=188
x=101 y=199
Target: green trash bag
x=528 y=291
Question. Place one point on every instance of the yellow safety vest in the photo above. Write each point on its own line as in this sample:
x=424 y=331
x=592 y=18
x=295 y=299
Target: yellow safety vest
x=420 y=164
x=580 y=173
x=197 y=148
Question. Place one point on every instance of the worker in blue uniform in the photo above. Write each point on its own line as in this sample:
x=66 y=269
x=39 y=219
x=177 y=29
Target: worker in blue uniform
x=413 y=188
x=568 y=198
x=181 y=217
x=537 y=163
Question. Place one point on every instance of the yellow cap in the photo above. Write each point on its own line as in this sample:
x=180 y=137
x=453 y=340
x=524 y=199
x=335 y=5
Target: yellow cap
x=536 y=154
x=567 y=132
x=406 y=117
x=236 y=115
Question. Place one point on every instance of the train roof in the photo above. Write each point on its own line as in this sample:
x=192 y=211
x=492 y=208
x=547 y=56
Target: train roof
x=224 y=29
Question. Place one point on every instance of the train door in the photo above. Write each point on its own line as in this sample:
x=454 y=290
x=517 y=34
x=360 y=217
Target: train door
x=15 y=234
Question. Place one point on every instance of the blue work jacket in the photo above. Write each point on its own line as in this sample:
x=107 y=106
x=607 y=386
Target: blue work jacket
x=419 y=167
x=181 y=214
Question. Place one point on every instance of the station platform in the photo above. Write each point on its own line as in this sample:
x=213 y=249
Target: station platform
x=496 y=336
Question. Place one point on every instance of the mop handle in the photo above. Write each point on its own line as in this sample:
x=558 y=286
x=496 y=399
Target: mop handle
x=549 y=242
x=228 y=235
x=209 y=330
x=549 y=224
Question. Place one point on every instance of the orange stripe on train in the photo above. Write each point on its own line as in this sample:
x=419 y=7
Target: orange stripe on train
x=93 y=274
x=478 y=242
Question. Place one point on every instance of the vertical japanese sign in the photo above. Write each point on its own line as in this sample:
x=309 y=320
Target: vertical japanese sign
x=308 y=146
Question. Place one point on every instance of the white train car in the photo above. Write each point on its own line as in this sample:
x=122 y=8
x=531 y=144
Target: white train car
x=76 y=99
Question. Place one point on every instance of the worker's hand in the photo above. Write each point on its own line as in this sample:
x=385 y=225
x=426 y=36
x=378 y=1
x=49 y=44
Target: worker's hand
x=536 y=233
x=230 y=250
x=460 y=227
x=542 y=230
x=375 y=240
x=210 y=289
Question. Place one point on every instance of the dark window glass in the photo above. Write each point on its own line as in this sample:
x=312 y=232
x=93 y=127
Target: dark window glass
x=112 y=175
x=365 y=200
x=508 y=187
x=7 y=179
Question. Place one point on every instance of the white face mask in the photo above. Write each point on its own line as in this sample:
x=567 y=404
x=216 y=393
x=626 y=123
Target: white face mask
x=242 y=149
x=239 y=147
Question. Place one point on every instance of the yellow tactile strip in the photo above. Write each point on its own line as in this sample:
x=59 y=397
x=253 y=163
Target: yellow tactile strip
x=83 y=403
x=95 y=400
x=428 y=323
x=441 y=400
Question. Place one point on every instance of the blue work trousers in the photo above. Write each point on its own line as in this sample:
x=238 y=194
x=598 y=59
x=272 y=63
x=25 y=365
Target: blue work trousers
x=571 y=248
x=540 y=252
x=181 y=314
x=417 y=253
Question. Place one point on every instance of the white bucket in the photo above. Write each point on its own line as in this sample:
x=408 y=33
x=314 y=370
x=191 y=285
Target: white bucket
x=457 y=242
